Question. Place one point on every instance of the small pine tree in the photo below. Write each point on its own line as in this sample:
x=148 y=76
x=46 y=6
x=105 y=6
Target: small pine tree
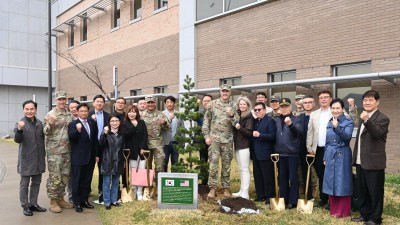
x=189 y=137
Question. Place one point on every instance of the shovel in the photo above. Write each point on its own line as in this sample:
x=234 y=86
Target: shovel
x=276 y=203
x=148 y=192
x=303 y=205
x=127 y=194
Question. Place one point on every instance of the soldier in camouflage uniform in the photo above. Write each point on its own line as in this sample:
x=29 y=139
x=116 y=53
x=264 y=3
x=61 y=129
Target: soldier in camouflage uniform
x=299 y=105
x=58 y=152
x=219 y=121
x=275 y=107
x=156 y=122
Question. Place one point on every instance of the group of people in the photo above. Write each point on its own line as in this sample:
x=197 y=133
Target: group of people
x=75 y=139
x=257 y=132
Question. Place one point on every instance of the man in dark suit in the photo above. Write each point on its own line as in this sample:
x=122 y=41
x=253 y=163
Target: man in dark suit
x=101 y=118
x=369 y=157
x=264 y=134
x=83 y=138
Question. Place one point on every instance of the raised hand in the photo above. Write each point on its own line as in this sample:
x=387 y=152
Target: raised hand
x=106 y=129
x=79 y=127
x=21 y=125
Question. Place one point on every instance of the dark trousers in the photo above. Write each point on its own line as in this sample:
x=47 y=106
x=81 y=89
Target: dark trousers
x=203 y=153
x=82 y=177
x=371 y=183
x=320 y=170
x=170 y=151
x=28 y=194
x=263 y=172
x=100 y=184
x=288 y=179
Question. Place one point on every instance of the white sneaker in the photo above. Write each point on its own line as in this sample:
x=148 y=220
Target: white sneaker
x=237 y=194
x=140 y=197
x=244 y=195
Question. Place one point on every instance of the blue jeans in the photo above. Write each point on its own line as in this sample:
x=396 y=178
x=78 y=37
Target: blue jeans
x=170 y=151
x=110 y=195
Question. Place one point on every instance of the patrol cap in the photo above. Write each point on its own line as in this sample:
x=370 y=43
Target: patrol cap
x=275 y=98
x=150 y=99
x=299 y=97
x=285 y=101
x=61 y=94
x=225 y=87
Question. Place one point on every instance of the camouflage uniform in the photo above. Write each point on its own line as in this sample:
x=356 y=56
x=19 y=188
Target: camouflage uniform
x=218 y=126
x=58 y=152
x=155 y=140
x=273 y=115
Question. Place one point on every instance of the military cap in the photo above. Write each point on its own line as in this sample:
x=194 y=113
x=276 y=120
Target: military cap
x=225 y=87
x=299 y=97
x=275 y=98
x=61 y=94
x=285 y=101
x=150 y=99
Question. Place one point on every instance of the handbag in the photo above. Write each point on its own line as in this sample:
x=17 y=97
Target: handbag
x=142 y=177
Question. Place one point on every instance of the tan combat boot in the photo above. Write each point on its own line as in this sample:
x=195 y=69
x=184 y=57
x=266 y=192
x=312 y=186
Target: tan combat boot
x=227 y=193
x=63 y=204
x=211 y=194
x=54 y=207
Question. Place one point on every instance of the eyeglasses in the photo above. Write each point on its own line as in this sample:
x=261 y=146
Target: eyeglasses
x=114 y=121
x=308 y=102
x=257 y=110
x=324 y=97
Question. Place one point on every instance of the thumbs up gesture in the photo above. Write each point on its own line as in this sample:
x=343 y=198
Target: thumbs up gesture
x=106 y=129
x=21 y=125
x=288 y=121
x=79 y=127
x=335 y=122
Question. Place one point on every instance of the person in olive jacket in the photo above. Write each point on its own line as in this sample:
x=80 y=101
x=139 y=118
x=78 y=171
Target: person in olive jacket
x=112 y=165
x=31 y=157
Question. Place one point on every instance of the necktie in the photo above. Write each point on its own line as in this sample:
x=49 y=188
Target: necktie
x=86 y=125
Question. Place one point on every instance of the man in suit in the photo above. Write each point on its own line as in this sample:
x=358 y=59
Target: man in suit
x=369 y=157
x=74 y=113
x=83 y=137
x=101 y=118
x=264 y=134
x=316 y=137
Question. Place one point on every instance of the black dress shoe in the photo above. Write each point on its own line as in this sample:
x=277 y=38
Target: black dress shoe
x=78 y=208
x=87 y=205
x=108 y=207
x=267 y=202
x=292 y=206
x=358 y=219
x=259 y=199
x=322 y=203
x=116 y=204
x=37 y=208
x=27 y=211
x=371 y=223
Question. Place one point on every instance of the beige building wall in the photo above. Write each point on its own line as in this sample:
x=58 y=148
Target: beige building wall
x=308 y=37
x=135 y=47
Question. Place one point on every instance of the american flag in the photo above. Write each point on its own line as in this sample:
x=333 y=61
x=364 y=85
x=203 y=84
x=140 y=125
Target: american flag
x=184 y=183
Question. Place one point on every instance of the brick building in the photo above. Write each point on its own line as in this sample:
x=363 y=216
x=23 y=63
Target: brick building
x=282 y=47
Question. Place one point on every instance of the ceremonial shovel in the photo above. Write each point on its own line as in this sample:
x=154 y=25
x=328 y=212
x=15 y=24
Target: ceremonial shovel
x=276 y=203
x=127 y=194
x=303 y=205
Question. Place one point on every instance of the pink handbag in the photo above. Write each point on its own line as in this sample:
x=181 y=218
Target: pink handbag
x=142 y=177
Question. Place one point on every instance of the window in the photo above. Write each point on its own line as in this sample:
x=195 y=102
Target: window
x=116 y=13
x=135 y=92
x=233 y=4
x=208 y=8
x=70 y=99
x=84 y=28
x=352 y=89
x=83 y=98
x=160 y=100
x=158 y=4
x=284 y=92
x=71 y=27
x=136 y=9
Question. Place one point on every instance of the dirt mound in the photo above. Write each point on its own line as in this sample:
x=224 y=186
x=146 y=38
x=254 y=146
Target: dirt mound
x=238 y=206
x=203 y=191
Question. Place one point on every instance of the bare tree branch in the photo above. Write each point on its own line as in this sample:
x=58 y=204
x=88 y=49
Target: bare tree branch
x=137 y=74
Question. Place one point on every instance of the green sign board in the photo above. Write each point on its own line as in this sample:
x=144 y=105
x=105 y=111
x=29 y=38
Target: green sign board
x=177 y=190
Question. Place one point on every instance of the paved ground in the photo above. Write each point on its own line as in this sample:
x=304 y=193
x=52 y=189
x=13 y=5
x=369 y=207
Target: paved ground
x=10 y=209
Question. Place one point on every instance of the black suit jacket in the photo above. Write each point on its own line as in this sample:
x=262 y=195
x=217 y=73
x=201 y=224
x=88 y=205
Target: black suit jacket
x=106 y=116
x=373 y=142
x=83 y=145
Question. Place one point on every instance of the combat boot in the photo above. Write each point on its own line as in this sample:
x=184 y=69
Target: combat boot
x=63 y=204
x=211 y=194
x=227 y=193
x=54 y=207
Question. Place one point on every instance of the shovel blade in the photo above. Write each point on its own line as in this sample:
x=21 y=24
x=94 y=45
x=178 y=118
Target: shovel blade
x=277 y=204
x=304 y=207
x=146 y=194
x=126 y=195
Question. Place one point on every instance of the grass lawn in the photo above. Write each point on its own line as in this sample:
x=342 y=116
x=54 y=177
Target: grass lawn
x=146 y=212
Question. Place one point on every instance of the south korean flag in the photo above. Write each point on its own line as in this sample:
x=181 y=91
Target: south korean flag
x=169 y=182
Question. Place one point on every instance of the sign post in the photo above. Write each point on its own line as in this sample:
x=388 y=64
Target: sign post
x=177 y=190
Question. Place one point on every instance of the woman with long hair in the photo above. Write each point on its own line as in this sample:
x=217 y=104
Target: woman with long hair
x=242 y=136
x=135 y=134
x=112 y=165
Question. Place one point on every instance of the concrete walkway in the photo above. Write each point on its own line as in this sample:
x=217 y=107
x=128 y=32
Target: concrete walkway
x=10 y=208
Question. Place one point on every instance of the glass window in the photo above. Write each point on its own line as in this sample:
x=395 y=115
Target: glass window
x=116 y=13
x=160 y=100
x=233 y=4
x=83 y=98
x=352 y=89
x=84 y=28
x=71 y=34
x=136 y=9
x=284 y=92
x=160 y=3
x=208 y=8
